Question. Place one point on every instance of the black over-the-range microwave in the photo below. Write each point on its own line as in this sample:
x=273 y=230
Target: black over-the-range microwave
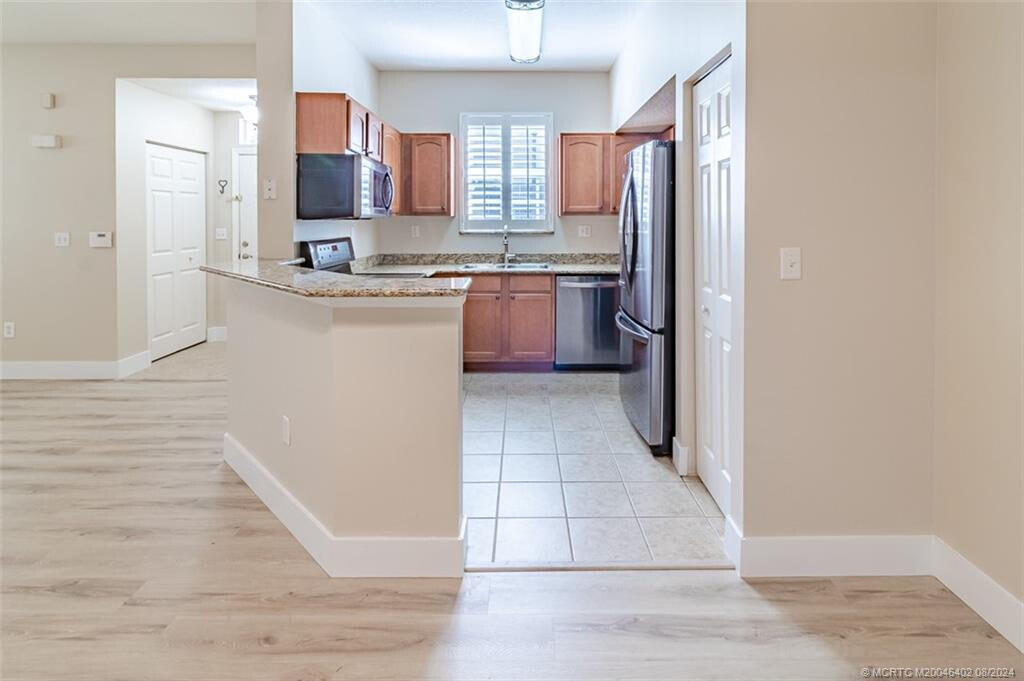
x=343 y=187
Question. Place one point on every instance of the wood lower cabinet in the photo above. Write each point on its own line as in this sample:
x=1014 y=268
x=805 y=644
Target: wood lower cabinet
x=509 y=318
x=429 y=171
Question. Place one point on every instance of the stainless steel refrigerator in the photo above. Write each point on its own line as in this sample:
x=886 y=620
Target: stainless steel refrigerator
x=646 y=282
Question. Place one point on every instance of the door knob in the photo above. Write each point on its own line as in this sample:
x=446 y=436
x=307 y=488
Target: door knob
x=705 y=310
x=245 y=256
x=245 y=244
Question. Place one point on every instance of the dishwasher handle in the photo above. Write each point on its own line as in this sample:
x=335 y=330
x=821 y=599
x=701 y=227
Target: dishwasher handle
x=587 y=284
x=631 y=328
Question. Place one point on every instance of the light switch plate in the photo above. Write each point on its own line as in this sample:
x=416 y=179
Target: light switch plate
x=415 y=229
x=62 y=239
x=46 y=100
x=269 y=189
x=790 y=263
x=47 y=141
x=8 y=329
x=585 y=231
x=220 y=233
x=101 y=240
x=286 y=430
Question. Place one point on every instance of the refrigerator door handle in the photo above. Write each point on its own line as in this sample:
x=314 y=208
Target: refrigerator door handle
x=628 y=327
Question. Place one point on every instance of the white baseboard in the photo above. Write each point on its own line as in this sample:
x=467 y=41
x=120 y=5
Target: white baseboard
x=996 y=605
x=74 y=371
x=216 y=334
x=348 y=556
x=681 y=459
x=835 y=556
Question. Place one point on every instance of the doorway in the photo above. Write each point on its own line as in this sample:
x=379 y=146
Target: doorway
x=176 y=248
x=718 y=268
x=244 y=244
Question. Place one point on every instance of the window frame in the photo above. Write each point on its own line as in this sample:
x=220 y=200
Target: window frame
x=545 y=226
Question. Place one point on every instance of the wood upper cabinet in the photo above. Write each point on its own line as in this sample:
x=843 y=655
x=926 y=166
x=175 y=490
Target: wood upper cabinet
x=321 y=123
x=391 y=154
x=509 y=318
x=358 y=122
x=620 y=146
x=374 y=136
x=583 y=173
x=428 y=170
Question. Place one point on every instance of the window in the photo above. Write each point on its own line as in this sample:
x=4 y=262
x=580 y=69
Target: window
x=506 y=172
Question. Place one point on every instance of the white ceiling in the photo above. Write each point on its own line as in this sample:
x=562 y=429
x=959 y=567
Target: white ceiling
x=472 y=34
x=217 y=94
x=129 y=21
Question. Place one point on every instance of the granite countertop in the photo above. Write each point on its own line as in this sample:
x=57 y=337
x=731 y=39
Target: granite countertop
x=449 y=264
x=320 y=284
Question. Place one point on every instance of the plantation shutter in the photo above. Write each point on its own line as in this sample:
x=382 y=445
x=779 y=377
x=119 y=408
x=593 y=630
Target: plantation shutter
x=484 y=176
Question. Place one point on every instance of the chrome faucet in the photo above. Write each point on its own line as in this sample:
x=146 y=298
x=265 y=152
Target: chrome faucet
x=504 y=242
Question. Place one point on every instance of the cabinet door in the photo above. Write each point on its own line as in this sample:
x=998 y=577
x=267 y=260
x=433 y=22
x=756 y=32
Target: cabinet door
x=374 y=137
x=391 y=154
x=583 y=174
x=620 y=146
x=428 y=167
x=481 y=327
x=320 y=123
x=357 y=127
x=531 y=326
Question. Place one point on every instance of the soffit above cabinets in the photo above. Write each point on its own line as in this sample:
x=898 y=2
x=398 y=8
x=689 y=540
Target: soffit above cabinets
x=466 y=35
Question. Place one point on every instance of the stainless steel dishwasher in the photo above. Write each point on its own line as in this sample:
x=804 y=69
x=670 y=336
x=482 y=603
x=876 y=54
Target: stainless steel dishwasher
x=585 y=332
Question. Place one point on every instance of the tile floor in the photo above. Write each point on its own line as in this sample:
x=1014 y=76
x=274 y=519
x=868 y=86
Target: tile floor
x=554 y=474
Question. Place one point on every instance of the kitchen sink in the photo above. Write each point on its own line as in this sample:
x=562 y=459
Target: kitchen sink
x=510 y=266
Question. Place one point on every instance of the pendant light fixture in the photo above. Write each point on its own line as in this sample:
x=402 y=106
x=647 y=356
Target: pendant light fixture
x=525 y=23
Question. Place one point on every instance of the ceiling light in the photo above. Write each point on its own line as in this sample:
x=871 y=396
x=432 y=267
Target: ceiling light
x=525 y=19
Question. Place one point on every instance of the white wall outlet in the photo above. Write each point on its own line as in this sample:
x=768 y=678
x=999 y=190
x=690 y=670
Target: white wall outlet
x=46 y=100
x=415 y=231
x=62 y=239
x=790 y=263
x=101 y=240
x=47 y=141
x=8 y=329
x=220 y=234
x=585 y=231
x=269 y=188
x=286 y=430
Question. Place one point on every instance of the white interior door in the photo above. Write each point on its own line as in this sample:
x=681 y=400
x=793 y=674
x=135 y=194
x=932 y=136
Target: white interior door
x=717 y=259
x=245 y=186
x=176 y=224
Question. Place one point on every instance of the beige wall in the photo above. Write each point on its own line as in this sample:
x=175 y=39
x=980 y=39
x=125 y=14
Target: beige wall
x=979 y=507
x=840 y=162
x=431 y=101
x=143 y=116
x=72 y=312
x=676 y=40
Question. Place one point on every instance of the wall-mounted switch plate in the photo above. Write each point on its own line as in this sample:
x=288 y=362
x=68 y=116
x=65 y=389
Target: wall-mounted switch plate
x=220 y=233
x=62 y=239
x=415 y=231
x=101 y=239
x=46 y=100
x=790 y=263
x=269 y=189
x=286 y=430
x=585 y=231
x=47 y=141
x=8 y=329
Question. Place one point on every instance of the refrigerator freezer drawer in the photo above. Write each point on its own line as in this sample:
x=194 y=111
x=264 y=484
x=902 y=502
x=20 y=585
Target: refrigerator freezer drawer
x=642 y=383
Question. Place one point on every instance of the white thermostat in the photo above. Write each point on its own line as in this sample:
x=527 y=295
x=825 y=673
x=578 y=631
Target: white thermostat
x=46 y=141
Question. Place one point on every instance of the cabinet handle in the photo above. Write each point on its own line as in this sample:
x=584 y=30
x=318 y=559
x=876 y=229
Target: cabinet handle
x=512 y=297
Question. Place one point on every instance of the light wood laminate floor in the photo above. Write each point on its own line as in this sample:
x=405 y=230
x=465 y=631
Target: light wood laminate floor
x=130 y=551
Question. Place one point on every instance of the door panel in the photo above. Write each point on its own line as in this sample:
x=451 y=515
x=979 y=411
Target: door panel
x=583 y=173
x=357 y=127
x=531 y=326
x=718 y=255
x=246 y=226
x=429 y=174
x=374 y=137
x=481 y=327
x=176 y=238
x=391 y=154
